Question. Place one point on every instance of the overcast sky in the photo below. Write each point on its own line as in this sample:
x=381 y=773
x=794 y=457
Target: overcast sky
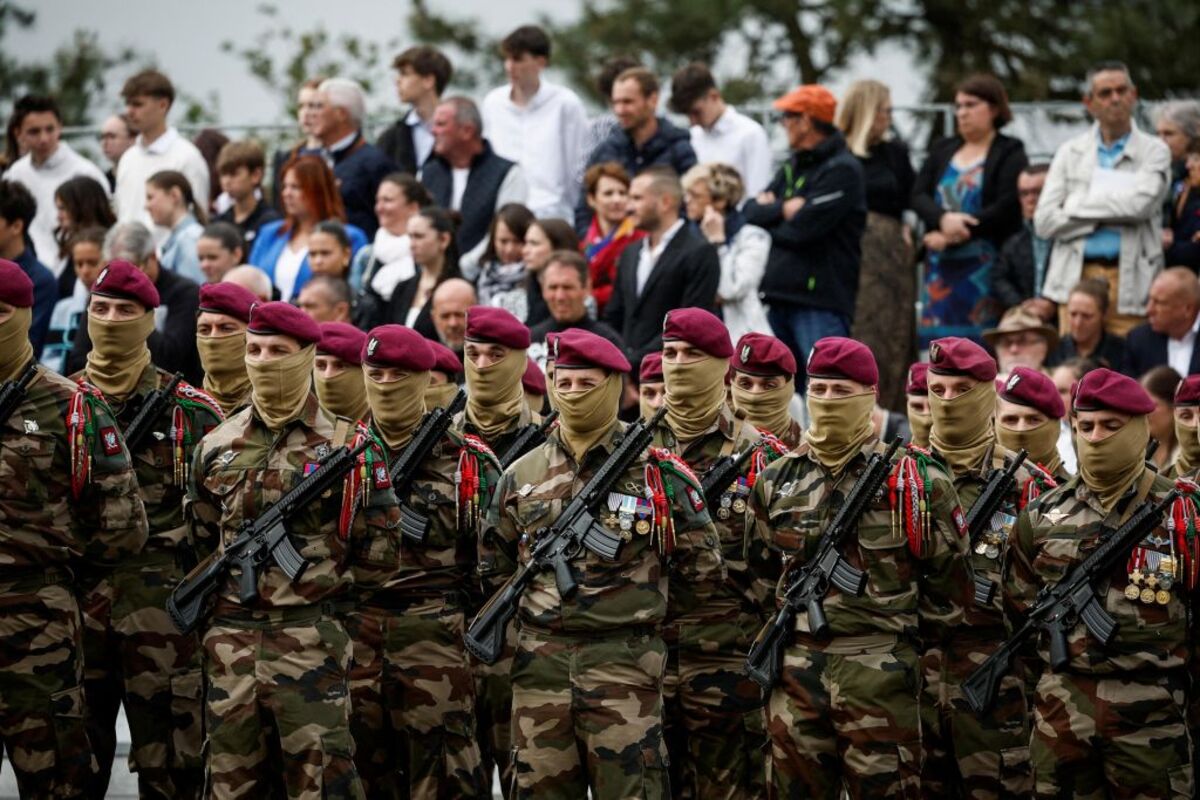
x=185 y=36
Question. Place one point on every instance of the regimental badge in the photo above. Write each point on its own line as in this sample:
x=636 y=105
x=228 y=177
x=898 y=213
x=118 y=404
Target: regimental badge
x=381 y=476
x=226 y=457
x=695 y=498
x=108 y=438
x=960 y=521
x=1013 y=380
x=371 y=345
x=322 y=450
x=935 y=353
x=746 y=352
x=31 y=426
x=100 y=278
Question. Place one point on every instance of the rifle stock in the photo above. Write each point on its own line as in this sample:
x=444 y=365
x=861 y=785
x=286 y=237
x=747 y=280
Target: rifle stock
x=723 y=473
x=414 y=526
x=1000 y=483
x=529 y=438
x=151 y=410
x=13 y=392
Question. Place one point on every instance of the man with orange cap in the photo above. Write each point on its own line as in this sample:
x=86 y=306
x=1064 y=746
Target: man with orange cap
x=70 y=512
x=1111 y=722
x=815 y=210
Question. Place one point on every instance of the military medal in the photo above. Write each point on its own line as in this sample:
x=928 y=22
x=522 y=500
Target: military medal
x=642 y=527
x=739 y=506
x=1162 y=597
x=1132 y=592
x=1148 y=595
x=723 y=513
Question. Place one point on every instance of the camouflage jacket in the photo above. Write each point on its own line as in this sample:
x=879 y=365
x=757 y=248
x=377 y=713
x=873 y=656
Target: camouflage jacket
x=500 y=443
x=633 y=590
x=242 y=467
x=42 y=523
x=161 y=469
x=729 y=435
x=1060 y=529
x=906 y=592
x=988 y=553
x=446 y=561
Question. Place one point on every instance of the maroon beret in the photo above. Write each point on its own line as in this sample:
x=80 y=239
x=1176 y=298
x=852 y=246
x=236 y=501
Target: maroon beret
x=651 y=371
x=1104 y=389
x=444 y=359
x=839 y=357
x=699 y=328
x=124 y=280
x=496 y=325
x=916 y=382
x=284 y=319
x=398 y=346
x=343 y=340
x=16 y=288
x=956 y=356
x=760 y=354
x=1188 y=391
x=533 y=381
x=576 y=348
x=227 y=298
x=1028 y=387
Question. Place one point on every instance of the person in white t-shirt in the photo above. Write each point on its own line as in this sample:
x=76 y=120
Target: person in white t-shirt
x=719 y=133
x=47 y=164
x=538 y=124
x=148 y=98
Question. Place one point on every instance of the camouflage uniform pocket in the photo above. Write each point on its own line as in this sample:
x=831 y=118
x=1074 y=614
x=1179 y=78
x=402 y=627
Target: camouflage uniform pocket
x=73 y=761
x=187 y=713
x=1054 y=558
x=1016 y=773
x=655 y=783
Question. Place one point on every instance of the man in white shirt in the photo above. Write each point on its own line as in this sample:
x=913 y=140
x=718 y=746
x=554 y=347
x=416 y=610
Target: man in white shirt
x=1169 y=334
x=46 y=165
x=538 y=124
x=719 y=132
x=148 y=97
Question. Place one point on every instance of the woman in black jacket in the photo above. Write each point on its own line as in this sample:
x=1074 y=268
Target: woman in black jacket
x=966 y=193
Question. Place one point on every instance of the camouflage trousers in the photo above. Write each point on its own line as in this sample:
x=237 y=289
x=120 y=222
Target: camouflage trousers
x=278 y=708
x=714 y=716
x=414 y=700
x=846 y=717
x=587 y=715
x=41 y=694
x=1111 y=737
x=985 y=757
x=133 y=654
x=493 y=714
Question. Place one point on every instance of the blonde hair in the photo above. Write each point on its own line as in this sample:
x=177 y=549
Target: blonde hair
x=723 y=181
x=856 y=113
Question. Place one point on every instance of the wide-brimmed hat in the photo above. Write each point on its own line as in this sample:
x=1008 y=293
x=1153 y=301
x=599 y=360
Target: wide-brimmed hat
x=1017 y=320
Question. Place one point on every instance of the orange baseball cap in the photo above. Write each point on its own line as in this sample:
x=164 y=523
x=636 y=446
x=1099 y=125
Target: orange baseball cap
x=812 y=99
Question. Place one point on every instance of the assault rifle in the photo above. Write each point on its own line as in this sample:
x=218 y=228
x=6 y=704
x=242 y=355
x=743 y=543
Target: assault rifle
x=12 y=393
x=575 y=529
x=151 y=410
x=530 y=437
x=413 y=525
x=723 y=473
x=1000 y=483
x=808 y=587
x=263 y=539
x=1057 y=609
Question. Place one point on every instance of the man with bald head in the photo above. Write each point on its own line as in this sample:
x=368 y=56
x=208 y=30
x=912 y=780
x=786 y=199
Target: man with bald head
x=325 y=299
x=673 y=267
x=449 y=305
x=1169 y=334
x=252 y=279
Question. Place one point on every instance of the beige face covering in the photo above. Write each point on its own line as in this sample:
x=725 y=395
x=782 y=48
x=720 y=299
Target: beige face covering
x=439 y=395
x=1109 y=467
x=119 y=354
x=344 y=394
x=15 y=349
x=962 y=427
x=224 y=362
x=1041 y=442
x=839 y=428
x=397 y=406
x=281 y=386
x=586 y=416
x=767 y=410
x=1188 y=437
x=695 y=394
x=495 y=394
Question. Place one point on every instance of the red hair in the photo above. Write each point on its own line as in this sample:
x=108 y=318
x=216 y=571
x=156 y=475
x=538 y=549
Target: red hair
x=319 y=188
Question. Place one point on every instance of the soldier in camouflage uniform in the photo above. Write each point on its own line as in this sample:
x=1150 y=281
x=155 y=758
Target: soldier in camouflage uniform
x=651 y=388
x=133 y=653
x=1029 y=415
x=443 y=378
x=497 y=412
x=764 y=385
x=1112 y=722
x=69 y=512
x=986 y=757
x=278 y=706
x=411 y=685
x=1187 y=414
x=337 y=371
x=588 y=673
x=916 y=393
x=715 y=724
x=533 y=383
x=221 y=340
x=845 y=712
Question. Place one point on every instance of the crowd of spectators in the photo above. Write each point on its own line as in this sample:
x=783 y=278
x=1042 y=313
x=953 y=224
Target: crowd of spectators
x=525 y=202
